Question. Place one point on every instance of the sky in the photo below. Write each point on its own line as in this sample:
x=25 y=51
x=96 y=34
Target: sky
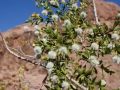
x=116 y=1
x=15 y=12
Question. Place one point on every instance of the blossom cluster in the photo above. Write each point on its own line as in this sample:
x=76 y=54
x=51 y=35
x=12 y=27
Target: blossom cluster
x=68 y=33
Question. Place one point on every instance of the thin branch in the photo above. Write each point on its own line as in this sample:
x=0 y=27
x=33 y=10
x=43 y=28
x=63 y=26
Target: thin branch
x=95 y=12
x=28 y=59
x=30 y=56
x=36 y=63
x=76 y=83
x=19 y=51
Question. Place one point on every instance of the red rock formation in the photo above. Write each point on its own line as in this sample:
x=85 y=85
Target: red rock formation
x=106 y=10
x=33 y=75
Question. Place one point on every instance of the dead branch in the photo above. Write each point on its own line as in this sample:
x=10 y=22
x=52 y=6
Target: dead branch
x=30 y=56
x=95 y=12
x=22 y=57
x=33 y=61
x=20 y=52
x=75 y=83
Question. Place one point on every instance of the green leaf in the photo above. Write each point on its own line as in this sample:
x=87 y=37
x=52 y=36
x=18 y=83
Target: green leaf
x=95 y=70
x=117 y=48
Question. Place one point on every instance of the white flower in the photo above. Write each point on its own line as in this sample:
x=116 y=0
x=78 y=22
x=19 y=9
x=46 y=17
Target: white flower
x=67 y=23
x=49 y=25
x=111 y=46
x=76 y=47
x=94 y=46
x=36 y=32
x=79 y=30
x=44 y=40
x=63 y=1
x=115 y=36
x=36 y=27
x=103 y=82
x=42 y=4
x=37 y=50
x=50 y=65
x=118 y=15
x=50 y=70
x=45 y=12
x=93 y=60
x=90 y=31
x=36 y=3
x=54 y=2
x=26 y=28
x=65 y=85
x=52 y=54
x=75 y=6
x=63 y=50
x=116 y=59
x=55 y=17
x=54 y=78
x=83 y=14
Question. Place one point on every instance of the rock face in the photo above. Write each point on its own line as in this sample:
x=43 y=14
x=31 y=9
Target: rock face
x=33 y=76
x=9 y=64
x=106 y=10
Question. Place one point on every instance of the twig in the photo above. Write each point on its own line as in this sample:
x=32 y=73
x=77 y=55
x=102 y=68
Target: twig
x=21 y=51
x=76 y=83
x=36 y=63
x=95 y=12
x=28 y=59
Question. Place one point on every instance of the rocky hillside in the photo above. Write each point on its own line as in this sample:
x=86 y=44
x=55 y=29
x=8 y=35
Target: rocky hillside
x=106 y=10
x=33 y=76
x=9 y=64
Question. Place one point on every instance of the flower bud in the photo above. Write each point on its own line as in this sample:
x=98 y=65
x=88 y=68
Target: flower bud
x=75 y=6
x=111 y=46
x=93 y=60
x=63 y=50
x=54 y=79
x=116 y=59
x=63 y=1
x=67 y=23
x=90 y=31
x=37 y=50
x=65 y=85
x=94 y=46
x=36 y=27
x=52 y=54
x=103 y=82
x=76 y=47
x=54 y=2
x=50 y=65
x=26 y=29
x=115 y=36
x=83 y=14
x=55 y=17
x=45 y=12
x=36 y=32
x=118 y=15
x=78 y=31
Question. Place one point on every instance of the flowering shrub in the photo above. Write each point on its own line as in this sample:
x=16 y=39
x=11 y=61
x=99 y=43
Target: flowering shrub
x=68 y=32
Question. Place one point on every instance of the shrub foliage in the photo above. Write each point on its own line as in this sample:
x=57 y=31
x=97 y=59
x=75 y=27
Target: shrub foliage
x=70 y=46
